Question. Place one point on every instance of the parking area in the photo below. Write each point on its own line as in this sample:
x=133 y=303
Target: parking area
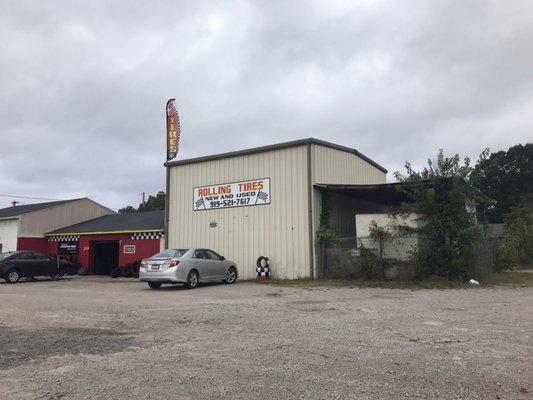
x=101 y=338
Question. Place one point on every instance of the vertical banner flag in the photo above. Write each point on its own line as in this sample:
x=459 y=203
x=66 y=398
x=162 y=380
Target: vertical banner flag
x=173 y=130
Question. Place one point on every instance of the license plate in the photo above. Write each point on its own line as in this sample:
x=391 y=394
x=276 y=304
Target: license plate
x=155 y=267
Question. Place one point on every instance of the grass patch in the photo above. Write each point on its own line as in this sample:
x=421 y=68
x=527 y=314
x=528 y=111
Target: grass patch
x=504 y=279
x=508 y=278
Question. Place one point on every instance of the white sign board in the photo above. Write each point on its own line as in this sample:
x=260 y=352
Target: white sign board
x=129 y=249
x=237 y=194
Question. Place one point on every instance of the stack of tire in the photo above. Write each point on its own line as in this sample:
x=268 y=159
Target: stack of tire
x=263 y=268
x=128 y=271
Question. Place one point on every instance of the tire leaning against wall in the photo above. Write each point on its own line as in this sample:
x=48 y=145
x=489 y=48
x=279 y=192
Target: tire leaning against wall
x=263 y=267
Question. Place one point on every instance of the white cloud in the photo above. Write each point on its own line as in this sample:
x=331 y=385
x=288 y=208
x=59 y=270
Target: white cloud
x=84 y=84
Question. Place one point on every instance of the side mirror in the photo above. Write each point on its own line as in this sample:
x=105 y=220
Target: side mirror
x=222 y=258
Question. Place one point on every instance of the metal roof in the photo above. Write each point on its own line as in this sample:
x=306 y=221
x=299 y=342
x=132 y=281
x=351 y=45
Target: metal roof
x=278 y=146
x=382 y=193
x=117 y=223
x=389 y=192
x=15 y=211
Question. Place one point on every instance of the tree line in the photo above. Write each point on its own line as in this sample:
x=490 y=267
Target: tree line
x=443 y=190
x=153 y=203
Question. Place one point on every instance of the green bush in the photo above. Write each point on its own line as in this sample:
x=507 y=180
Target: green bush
x=367 y=262
x=440 y=193
x=517 y=247
x=381 y=236
x=325 y=232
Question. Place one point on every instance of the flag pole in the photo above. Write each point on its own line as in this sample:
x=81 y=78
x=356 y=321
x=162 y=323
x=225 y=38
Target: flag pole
x=173 y=137
x=167 y=202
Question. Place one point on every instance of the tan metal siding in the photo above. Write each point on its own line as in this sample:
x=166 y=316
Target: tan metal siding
x=330 y=166
x=334 y=166
x=279 y=230
x=8 y=234
x=40 y=222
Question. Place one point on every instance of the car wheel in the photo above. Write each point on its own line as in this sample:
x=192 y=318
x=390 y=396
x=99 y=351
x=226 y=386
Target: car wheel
x=192 y=280
x=231 y=276
x=13 y=276
x=154 y=285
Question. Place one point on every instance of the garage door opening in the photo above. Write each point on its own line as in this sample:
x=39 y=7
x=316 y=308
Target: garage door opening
x=105 y=257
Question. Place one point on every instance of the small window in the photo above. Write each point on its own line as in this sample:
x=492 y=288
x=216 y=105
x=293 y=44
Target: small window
x=198 y=254
x=40 y=257
x=24 y=256
x=171 y=253
x=213 y=255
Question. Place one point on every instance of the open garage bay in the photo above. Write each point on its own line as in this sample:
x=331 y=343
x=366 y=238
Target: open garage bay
x=99 y=338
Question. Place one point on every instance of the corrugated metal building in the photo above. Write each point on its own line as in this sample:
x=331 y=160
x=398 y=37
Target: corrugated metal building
x=261 y=201
x=23 y=227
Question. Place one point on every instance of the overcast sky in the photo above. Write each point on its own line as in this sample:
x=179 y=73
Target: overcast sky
x=84 y=84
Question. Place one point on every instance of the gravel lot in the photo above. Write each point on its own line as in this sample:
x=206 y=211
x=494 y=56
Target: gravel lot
x=102 y=338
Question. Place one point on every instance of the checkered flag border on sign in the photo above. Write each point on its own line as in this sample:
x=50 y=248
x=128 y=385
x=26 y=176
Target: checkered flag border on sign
x=262 y=196
x=146 y=235
x=64 y=238
x=200 y=202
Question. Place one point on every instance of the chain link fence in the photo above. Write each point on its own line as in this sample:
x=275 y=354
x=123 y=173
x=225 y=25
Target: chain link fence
x=342 y=260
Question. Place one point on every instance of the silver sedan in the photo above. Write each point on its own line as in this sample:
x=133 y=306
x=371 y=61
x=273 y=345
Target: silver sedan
x=189 y=266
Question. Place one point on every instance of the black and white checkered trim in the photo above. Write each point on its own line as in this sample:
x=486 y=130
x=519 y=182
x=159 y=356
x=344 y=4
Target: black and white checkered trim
x=147 y=235
x=64 y=238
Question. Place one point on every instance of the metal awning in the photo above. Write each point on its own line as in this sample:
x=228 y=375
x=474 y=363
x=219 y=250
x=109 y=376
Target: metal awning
x=389 y=194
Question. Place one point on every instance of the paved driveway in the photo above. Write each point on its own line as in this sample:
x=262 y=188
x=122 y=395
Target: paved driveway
x=102 y=338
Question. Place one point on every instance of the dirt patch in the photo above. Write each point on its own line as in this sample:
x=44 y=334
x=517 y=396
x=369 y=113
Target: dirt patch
x=20 y=346
x=98 y=338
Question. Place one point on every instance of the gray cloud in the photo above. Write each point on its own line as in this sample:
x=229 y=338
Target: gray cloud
x=84 y=84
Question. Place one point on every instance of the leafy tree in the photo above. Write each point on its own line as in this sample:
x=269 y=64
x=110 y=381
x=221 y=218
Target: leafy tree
x=153 y=203
x=127 y=210
x=505 y=176
x=381 y=236
x=517 y=247
x=439 y=194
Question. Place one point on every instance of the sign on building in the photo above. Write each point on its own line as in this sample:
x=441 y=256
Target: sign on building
x=236 y=194
x=68 y=248
x=129 y=249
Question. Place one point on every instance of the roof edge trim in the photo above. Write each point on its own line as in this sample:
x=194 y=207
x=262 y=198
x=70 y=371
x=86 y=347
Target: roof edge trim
x=104 y=232
x=278 y=146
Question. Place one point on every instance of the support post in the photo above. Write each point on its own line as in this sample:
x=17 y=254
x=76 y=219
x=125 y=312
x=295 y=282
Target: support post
x=310 y=211
x=167 y=203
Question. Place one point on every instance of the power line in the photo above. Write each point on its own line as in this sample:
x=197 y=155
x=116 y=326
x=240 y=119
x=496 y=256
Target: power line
x=43 y=198
x=26 y=197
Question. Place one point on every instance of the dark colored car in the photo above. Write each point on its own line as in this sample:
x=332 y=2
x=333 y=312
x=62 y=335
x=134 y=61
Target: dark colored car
x=19 y=264
x=68 y=267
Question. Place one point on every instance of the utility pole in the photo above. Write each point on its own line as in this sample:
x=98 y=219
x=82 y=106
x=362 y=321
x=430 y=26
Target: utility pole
x=144 y=198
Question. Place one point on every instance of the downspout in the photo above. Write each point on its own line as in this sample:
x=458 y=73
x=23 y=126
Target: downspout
x=310 y=212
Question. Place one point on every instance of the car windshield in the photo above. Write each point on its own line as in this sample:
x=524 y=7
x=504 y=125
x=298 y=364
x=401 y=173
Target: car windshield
x=4 y=255
x=171 y=253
